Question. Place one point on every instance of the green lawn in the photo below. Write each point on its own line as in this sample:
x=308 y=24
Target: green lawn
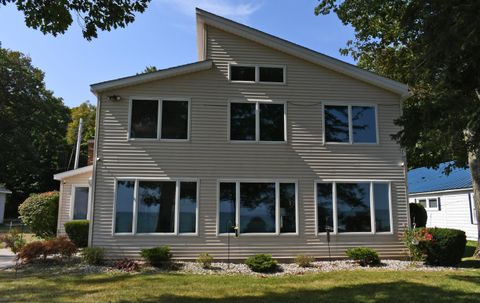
x=340 y=286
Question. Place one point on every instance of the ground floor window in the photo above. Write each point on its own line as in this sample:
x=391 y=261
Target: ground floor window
x=156 y=206
x=80 y=202
x=257 y=207
x=353 y=207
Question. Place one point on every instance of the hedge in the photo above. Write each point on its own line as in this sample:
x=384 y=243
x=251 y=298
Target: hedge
x=39 y=212
x=77 y=231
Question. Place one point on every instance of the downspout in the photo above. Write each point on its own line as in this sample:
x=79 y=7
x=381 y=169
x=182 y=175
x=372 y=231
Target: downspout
x=405 y=165
x=94 y=172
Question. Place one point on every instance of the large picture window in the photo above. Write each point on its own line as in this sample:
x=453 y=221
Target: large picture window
x=353 y=207
x=350 y=124
x=258 y=207
x=172 y=125
x=159 y=209
x=80 y=202
x=257 y=121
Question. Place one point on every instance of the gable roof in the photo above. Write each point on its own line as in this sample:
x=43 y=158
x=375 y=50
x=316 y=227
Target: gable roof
x=422 y=180
x=73 y=172
x=147 y=77
x=204 y=17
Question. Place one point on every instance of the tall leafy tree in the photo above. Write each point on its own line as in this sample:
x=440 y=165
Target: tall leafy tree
x=434 y=47
x=86 y=111
x=55 y=17
x=33 y=125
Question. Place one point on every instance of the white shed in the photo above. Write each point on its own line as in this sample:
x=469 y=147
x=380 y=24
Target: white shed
x=3 y=200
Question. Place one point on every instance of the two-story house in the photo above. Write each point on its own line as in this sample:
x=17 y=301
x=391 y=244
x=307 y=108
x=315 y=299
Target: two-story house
x=261 y=137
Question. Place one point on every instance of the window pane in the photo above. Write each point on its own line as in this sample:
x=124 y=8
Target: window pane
x=382 y=206
x=336 y=124
x=271 y=74
x=423 y=203
x=242 y=121
x=353 y=207
x=156 y=207
x=324 y=206
x=287 y=208
x=144 y=119
x=188 y=207
x=124 y=206
x=272 y=122
x=363 y=124
x=227 y=207
x=432 y=203
x=242 y=73
x=257 y=207
x=174 y=119
x=80 y=203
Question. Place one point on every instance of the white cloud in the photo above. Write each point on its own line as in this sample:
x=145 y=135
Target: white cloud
x=234 y=9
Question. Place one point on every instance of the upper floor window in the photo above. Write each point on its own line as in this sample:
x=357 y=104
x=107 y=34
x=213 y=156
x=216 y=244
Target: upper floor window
x=172 y=124
x=257 y=121
x=350 y=124
x=257 y=73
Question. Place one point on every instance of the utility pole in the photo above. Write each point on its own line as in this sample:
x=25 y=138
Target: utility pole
x=79 y=141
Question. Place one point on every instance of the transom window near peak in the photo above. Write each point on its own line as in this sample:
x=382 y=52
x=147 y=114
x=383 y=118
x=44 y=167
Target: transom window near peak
x=246 y=73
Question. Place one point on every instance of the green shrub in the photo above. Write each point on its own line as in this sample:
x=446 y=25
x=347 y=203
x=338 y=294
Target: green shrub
x=13 y=240
x=93 y=255
x=304 y=261
x=446 y=248
x=39 y=212
x=418 y=215
x=261 y=263
x=77 y=231
x=205 y=260
x=157 y=256
x=364 y=256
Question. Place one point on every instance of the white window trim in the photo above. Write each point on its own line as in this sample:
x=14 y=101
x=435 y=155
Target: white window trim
x=350 y=124
x=159 y=101
x=135 y=206
x=427 y=203
x=473 y=211
x=372 y=207
x=257 y=73
x=277 y=206
x=257 y=121
x=72 y=200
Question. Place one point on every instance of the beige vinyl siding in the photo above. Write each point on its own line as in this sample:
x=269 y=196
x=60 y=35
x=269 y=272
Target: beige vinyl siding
x=210 y=157
x=65 y=201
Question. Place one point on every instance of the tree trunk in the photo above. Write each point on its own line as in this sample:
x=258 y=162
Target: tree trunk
x=474 y=164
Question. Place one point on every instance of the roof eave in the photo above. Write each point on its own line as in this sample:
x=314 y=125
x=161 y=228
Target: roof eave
x=73 y=172
x=147 y=77
x=204 y=17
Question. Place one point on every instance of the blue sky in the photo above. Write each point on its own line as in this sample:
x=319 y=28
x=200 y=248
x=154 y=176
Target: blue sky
x=163 y=36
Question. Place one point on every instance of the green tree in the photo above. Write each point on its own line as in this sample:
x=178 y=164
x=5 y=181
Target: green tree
x=55 y=17
x=32 y=129
x=87 y=112
x=434 y=47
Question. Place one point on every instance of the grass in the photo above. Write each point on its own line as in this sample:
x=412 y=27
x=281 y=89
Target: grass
x=341 y=286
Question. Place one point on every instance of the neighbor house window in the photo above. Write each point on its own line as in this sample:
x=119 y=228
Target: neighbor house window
x=257 y=121
x=153 y=205
x=80 y=202
x=258 y=208
x=173 y=123
x=473 y=209
x=352 y=202
x=257 y=73
x=350 y=124
x=429 y=203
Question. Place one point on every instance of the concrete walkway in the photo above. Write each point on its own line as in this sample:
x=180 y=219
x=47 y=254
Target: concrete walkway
x=7 y=258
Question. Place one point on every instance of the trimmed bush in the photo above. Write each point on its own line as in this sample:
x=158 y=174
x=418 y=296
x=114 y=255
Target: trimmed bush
x=157 y=256
x=365 y=256
x=205 y=260
x=77 y=231
x=261 y=263
x=93 y=255
x=446 y=247
x=304 y=261
x=60 y=246
x=39 y=212
x=418 y=215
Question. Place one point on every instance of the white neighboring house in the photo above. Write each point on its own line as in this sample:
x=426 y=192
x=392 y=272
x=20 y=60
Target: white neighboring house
x=448 y=199
x=3 y=200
